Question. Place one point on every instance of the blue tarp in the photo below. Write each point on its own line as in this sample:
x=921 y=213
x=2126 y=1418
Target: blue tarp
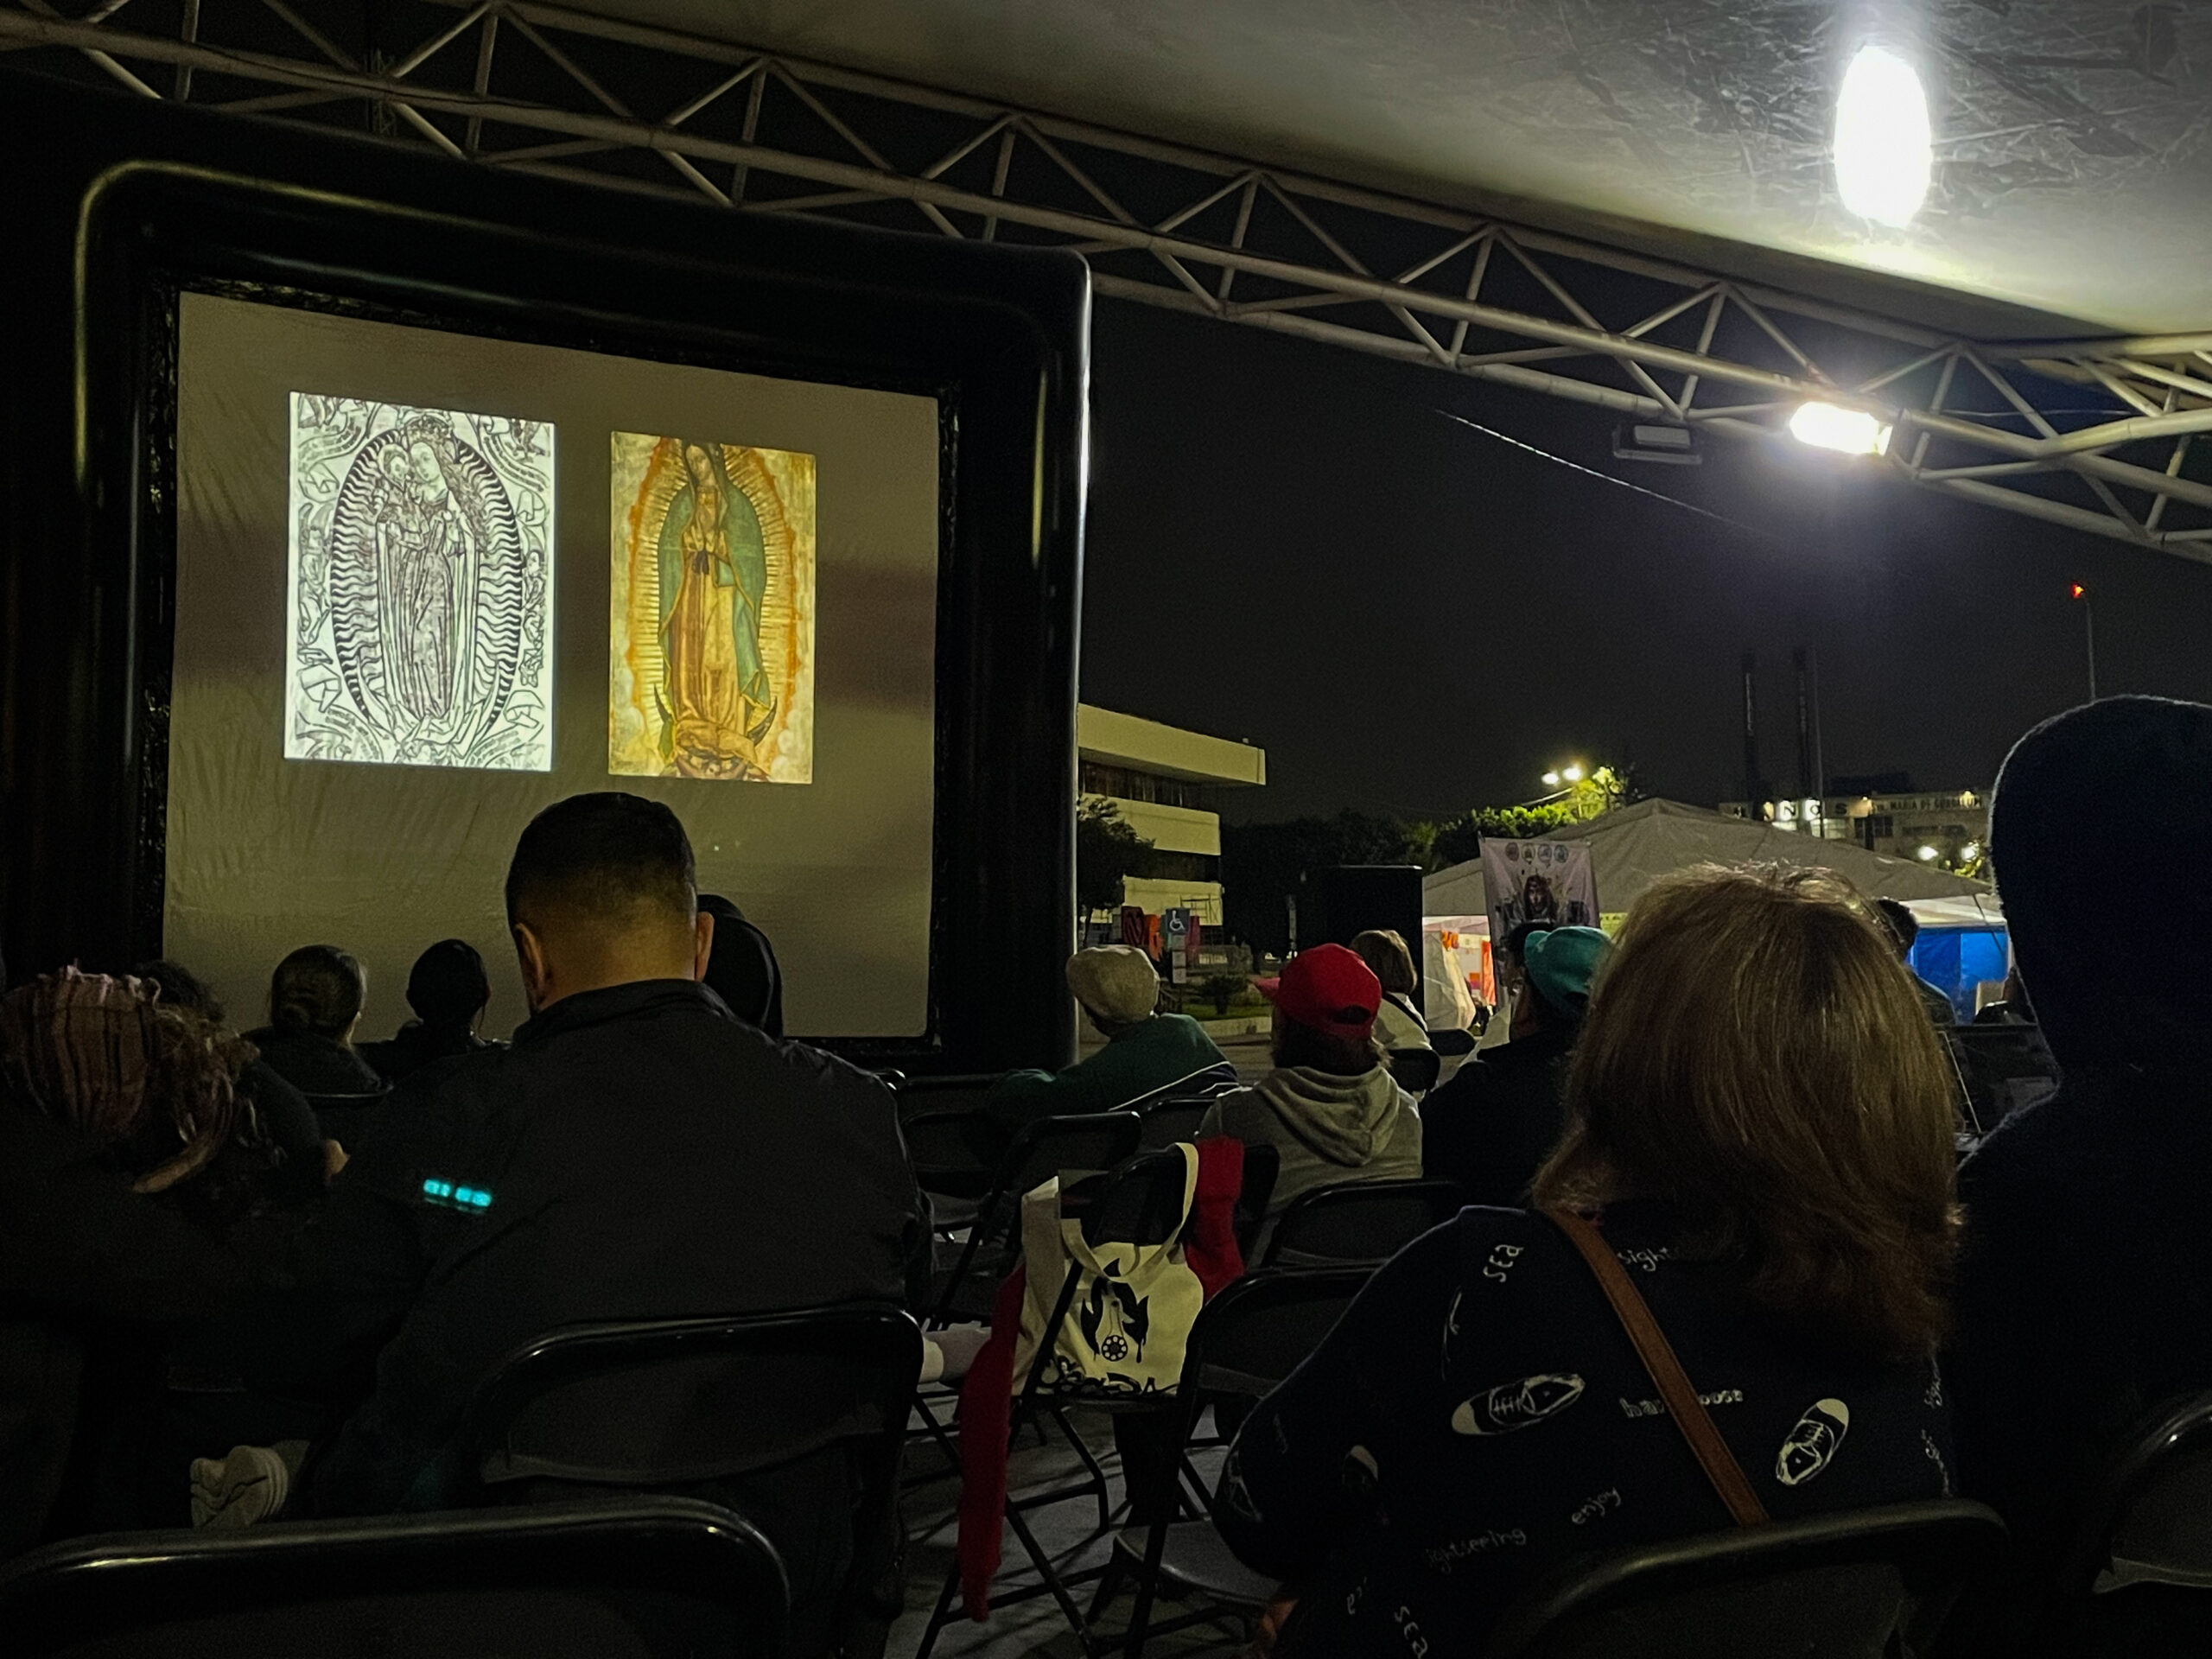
x=1956 y=960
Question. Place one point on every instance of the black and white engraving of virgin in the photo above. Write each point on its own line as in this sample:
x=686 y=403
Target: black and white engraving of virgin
x=420 y=586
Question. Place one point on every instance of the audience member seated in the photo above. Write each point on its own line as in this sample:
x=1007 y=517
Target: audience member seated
x=2085 y=1286
x=1147 y=1051
x=133 y=1184
x=314 y=1006
x=309 y=1161
x=1493 y=1125
x=742 y=971
x=1329 y=1107
x=1904 y=928
x=1398 y=1022
x=636 y=1152
x=1760 y=1119
x=449 y=990
x=1506 y=968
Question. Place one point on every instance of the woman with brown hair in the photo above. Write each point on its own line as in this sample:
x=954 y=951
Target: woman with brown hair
x=1759 y=1125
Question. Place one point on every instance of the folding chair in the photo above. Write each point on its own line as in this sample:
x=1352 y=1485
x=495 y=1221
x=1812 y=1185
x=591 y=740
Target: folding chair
x=1095 y=1141
x=1858 y=1584
x=1173 y=1118
x=1359 y=1221
x=619 y=1578
x=1415 y=1069
x=1262 y=1166
x=1203 y=1083
x=1130 y=1191
x=2139 y=1576
x=1249 y=1339
x=709 y=1407
x=345 y=1118
x=938 y=1116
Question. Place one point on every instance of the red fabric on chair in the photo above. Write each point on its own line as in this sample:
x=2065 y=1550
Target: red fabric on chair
x=986 y=1395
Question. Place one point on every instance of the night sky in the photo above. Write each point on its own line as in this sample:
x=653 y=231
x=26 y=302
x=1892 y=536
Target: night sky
x=1289 y=544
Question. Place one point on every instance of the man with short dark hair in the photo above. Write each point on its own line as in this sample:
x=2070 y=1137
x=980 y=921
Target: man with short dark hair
x=638 y=1153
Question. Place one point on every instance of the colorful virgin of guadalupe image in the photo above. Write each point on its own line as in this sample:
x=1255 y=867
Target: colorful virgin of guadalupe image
x=713 y=614
x=717 y=703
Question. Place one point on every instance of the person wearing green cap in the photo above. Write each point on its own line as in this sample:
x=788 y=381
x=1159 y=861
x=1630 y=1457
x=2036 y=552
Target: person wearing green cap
x=1492 y=1126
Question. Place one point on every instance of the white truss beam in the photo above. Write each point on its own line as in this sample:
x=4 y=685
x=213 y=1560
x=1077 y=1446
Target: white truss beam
x=2093 y=434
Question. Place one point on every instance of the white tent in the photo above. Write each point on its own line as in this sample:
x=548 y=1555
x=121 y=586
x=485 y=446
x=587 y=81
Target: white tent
x=1634 y=847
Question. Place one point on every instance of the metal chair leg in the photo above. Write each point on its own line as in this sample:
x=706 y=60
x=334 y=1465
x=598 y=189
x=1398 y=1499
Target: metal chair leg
x=943 y=1614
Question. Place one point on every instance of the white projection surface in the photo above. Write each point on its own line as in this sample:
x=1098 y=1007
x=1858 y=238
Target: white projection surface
x=375 y=522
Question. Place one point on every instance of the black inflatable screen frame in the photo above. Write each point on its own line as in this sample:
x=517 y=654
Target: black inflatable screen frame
x=112 y=208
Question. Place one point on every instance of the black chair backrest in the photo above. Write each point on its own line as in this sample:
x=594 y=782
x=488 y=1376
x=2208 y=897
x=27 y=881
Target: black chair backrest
x=619 y=1578
x=1415 y=1069
x=1176 y=1119
x=1452 y=1042
x=1858 y=1584
x=1254 y=1332
x=1090 y=1141
x=674 y=1402
x=2000 y=1068
x=962 y=1091
x=343 y=1118
x=1359 y=1221
x=2146 y=1520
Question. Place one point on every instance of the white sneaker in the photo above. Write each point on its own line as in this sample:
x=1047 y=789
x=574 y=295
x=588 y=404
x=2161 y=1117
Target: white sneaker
x=230 y=1493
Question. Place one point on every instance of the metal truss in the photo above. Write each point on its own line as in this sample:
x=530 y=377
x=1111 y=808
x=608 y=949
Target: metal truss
x=2093 y=434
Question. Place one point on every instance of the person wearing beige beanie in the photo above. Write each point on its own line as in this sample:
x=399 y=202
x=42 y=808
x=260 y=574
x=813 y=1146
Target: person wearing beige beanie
x=1147 y=1051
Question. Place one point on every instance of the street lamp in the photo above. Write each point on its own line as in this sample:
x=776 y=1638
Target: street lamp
x=1573 y=774
x=1551 y=780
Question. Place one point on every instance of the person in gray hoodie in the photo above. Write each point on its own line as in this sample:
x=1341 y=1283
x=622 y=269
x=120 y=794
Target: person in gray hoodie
x=1329 y=1107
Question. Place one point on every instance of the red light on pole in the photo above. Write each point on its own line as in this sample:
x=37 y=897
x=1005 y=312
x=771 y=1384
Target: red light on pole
x=2088 y=633
x=2080 y=592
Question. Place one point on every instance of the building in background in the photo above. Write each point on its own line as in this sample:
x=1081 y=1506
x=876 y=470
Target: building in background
x=1949 y=828
x=1164 y=781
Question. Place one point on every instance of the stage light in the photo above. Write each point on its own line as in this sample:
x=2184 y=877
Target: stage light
x=1551 y=780
x=1573 y=774
x=1883 y=153
x=1926 y=855
x=1972 y=849
x=1848 y=431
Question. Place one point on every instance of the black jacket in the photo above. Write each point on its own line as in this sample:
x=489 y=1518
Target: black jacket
x=1478 y=1416
x=83 y=1263
x=640 y=1154
x=1492 y=1126
x=2085 y=1287
x=415 y=1046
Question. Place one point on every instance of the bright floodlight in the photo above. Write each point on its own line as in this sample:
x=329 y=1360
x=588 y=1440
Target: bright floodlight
x=1926 y=855
x=1551 y=780
x=1972 y=849
x=1849 y=431
x=1882 y=141
x=1573 y=774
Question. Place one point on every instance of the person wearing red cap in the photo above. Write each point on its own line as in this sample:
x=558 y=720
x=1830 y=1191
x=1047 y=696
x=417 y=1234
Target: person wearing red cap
x=1329 y=1107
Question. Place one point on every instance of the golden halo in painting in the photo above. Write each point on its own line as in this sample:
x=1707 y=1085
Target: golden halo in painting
x=710 y=668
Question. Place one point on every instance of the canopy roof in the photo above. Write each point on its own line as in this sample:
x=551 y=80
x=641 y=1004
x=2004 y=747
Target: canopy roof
x=1634 y=847
x=2072 y=154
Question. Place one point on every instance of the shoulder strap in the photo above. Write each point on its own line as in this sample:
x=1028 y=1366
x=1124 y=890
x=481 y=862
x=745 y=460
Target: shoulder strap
x=1688 y=1412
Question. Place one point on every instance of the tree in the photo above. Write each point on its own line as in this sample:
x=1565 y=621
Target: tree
x=1107 y=852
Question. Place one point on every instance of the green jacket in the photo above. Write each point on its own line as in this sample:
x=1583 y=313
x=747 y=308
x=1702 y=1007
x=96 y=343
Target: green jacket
x=1166 y=1050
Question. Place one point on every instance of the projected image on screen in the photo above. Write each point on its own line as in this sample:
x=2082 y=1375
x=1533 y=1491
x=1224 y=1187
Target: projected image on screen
x=711 y=615
x=421 y=591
